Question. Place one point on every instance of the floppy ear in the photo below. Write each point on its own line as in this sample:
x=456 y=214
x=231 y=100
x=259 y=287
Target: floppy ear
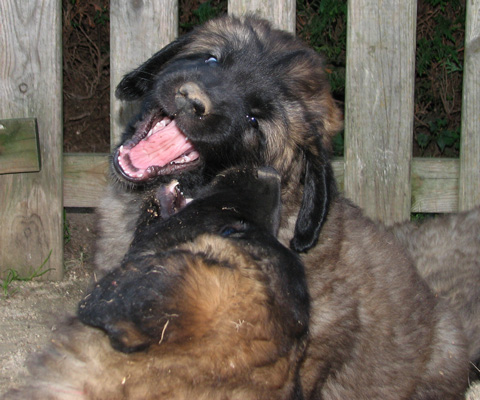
x=318 y=192
x=138 y=82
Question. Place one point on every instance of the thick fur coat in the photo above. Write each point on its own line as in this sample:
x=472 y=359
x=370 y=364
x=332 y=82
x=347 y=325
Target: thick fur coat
x=205 y=305
x=237 y=92
x=446 y=250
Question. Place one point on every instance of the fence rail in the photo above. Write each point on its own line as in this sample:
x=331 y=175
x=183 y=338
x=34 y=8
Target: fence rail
x=378 y=170
x=435 y=182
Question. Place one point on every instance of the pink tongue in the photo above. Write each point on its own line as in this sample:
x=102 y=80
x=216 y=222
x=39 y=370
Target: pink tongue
x=164 y=145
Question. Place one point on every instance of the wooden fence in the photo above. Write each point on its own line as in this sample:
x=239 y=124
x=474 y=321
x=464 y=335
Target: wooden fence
x=378 y=171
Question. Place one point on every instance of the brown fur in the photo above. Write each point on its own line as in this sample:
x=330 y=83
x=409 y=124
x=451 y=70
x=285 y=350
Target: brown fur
x=380 y=320
x=224 y=341
x=377 y=331
x=446 y=250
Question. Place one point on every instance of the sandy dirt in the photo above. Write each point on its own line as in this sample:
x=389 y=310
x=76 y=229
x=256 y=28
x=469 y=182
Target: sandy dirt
x=32 y=310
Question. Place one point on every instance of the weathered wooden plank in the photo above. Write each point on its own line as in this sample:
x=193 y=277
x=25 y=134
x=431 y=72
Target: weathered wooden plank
x=138 y=29
x=469 y=184
x=435 y=185
x=85 y=178
x=280 y=13
x=31 y=209
x=19 y=146
x=379 y=106
x=434 y=181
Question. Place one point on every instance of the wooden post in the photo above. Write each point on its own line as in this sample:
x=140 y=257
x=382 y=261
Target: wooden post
x=379 y=106
x=280 y=13
x=31 y=217
x=469 y=183
x=138 y=29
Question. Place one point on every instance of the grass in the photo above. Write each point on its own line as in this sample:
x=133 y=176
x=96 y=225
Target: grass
x=14 y=276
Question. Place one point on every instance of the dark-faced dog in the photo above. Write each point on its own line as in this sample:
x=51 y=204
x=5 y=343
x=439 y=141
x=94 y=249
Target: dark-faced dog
x=205 y=305
x=237 y=92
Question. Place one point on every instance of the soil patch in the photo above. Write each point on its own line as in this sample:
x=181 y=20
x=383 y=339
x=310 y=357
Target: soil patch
x=30 y=311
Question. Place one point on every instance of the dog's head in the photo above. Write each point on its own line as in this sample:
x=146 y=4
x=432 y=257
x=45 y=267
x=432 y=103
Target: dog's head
x=211 y=279
x=233 y=92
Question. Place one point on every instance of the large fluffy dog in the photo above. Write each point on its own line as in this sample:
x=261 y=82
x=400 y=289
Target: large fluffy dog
x=217 y=305
x=237 y=92
x=446 y=251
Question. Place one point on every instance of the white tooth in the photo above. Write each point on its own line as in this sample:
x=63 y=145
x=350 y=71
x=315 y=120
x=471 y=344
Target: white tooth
x=121 y=149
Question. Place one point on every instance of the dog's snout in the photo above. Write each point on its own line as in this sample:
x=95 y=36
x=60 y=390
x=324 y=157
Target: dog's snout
x=190 y=98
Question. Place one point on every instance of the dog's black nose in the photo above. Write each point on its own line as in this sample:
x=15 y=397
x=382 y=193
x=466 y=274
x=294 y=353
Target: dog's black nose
x=190 y=98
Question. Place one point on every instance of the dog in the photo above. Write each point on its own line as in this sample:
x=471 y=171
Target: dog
x=206 y=305
x=446 y=250
x=238 y=92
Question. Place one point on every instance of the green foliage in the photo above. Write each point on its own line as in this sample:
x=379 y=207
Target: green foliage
x=204 y=12
x=441 y=135
x=89 y=13
x=66 y=229
x=439 y=68
x=338 y=144
x=102 y=15
x=323 y=24
x=13 y=275
x=420 y=217
x=441 y=47
x=443 y=3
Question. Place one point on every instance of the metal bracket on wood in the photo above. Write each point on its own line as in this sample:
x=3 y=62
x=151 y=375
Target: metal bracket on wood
x=19 y=146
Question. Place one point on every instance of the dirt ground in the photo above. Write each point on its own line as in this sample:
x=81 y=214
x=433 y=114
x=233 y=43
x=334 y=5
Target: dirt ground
x=32 y=310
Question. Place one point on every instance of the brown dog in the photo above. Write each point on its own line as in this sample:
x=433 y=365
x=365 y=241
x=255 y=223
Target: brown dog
x=208 y=304
x=237 y=92
x=446 y=250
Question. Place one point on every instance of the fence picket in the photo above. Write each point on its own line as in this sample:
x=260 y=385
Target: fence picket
x=31 y=207
x=138 y=29
x=469 y=183
x=379 y=106
x=280 y=13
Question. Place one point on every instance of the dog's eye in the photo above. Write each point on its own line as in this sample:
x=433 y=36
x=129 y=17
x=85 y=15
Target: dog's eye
x=211 y=60
x=230 y=230
x=252 y=121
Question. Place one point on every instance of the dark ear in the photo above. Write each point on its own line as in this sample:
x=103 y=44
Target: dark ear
x=138 y=82
x=318 y=192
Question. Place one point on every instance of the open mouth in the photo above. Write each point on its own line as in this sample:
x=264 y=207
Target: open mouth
x=171 y=199
x=158 y=147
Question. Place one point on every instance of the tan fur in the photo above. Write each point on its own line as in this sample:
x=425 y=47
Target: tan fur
x=117 y=214
x=446 y=250
x=230 y=343
x=376 y=330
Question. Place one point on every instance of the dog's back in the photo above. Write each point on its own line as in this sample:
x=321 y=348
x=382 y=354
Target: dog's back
x=388 y=336
x=446 y=252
